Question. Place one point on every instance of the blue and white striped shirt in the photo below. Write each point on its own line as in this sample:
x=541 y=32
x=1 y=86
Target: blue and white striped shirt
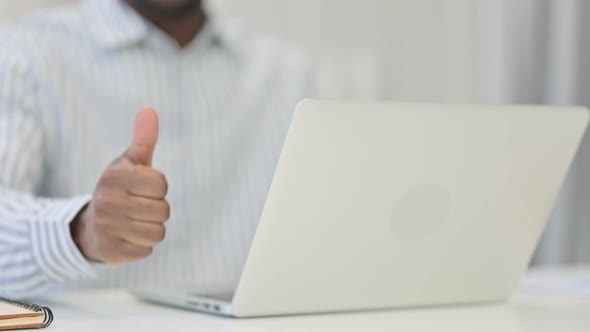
x=71 y=81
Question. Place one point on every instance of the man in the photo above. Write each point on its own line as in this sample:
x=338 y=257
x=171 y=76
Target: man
x=83 y=197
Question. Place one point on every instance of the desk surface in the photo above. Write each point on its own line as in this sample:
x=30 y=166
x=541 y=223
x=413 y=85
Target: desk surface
x=547 y=300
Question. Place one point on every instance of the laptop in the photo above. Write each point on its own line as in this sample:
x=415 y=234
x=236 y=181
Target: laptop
x=379 y=205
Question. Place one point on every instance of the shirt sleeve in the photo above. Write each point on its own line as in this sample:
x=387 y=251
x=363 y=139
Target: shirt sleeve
x=37 y=253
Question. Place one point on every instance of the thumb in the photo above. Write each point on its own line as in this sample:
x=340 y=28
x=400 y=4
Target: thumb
x=145 y=136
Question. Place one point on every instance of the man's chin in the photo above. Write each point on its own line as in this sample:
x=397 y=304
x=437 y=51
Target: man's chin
x=168 y=8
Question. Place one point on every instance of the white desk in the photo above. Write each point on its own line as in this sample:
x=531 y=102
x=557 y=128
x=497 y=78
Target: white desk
x=529 y=310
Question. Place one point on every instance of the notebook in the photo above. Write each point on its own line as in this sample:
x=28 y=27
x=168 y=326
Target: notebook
x=21 y=315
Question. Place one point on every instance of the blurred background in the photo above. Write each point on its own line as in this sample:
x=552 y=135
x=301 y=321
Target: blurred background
x=485 y=51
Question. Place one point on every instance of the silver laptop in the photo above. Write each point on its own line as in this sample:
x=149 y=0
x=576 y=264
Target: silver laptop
x=383 y=205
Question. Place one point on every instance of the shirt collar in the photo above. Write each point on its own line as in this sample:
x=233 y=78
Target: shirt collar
x=114 y=24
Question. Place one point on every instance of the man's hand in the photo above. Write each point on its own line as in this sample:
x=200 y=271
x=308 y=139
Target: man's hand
x=125 y=219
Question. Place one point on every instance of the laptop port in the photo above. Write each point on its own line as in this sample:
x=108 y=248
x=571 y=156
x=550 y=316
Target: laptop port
x=193 y=303
x=216 y=307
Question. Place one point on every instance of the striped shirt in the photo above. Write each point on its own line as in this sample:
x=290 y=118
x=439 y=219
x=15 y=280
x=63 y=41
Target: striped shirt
x=71 y=81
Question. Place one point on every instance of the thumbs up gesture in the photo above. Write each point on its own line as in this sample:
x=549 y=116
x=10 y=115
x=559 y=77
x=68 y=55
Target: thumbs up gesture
x=125 y=218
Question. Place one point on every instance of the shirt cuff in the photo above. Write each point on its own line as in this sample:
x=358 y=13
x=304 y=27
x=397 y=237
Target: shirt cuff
x=53 y=246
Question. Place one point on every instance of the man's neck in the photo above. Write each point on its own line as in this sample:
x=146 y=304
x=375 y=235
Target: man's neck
x=182 y=28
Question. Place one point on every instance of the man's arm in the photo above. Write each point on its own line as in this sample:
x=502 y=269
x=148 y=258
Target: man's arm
x=44 y=242
x=37 y=254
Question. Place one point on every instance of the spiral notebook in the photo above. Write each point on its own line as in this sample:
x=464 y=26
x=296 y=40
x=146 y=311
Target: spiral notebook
x=21 y=315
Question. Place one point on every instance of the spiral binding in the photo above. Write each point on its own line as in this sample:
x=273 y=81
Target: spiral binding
x=47 y=314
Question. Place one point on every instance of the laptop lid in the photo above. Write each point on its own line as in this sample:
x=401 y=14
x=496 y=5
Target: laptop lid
x=384 y=204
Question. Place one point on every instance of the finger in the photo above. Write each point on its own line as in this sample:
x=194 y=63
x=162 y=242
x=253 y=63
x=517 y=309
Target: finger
x=127 y=252
x=144 y=234
x=146 y=209
x=145 y=136
x=148 y=182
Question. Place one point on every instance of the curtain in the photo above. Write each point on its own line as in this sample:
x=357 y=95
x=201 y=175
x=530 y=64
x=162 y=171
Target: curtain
x=536 y=51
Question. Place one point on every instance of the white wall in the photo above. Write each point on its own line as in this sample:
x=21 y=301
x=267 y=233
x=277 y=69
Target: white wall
x=13 y=8
x=396 y=49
